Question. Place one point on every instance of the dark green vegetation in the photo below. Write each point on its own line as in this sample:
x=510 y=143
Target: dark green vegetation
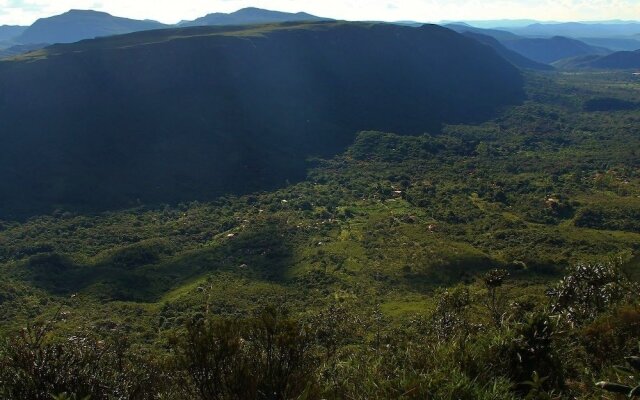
x=487 y=261
x=633 y=389
x=189 y=114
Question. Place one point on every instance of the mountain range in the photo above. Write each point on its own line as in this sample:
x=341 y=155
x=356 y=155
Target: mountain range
x=560 y=51
x=526 y=43
x=8 y=32
x=249 y=16
x=549 y=50
x=577 y=29
x=514 y=57
x=77 y=25
x=108 y=122
x=622 y=60
x=80 y=24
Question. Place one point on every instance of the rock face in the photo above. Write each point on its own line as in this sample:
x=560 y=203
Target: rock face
x=186 y=114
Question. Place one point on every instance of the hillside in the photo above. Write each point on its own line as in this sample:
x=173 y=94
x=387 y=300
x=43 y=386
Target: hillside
x=497 y=34
x=443 y=266
x=251 y=16
x=549 y=50
x=539 y=50
x=188 y=114
x=618 y=60
x=621 y=60
x=515 y=58
x=578 y=29
x=8 y=32
x=615 y=44
x=20 y=49
x=77 y=25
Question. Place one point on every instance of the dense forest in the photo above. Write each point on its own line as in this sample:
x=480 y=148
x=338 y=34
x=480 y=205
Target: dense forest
x=494 y=260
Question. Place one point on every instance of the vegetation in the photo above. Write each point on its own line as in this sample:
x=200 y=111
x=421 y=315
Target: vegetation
x=490 y=261
x=85 y=137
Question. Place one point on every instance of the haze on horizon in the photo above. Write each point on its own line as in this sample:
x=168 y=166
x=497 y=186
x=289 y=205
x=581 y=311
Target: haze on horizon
x=25 y=12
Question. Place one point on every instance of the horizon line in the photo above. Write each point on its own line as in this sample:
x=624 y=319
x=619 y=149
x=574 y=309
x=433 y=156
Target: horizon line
x=438 y=22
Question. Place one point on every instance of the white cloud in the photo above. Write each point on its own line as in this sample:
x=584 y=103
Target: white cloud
x=170 y=11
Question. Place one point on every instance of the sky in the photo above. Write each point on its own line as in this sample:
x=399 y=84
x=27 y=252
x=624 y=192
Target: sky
x=25 y=12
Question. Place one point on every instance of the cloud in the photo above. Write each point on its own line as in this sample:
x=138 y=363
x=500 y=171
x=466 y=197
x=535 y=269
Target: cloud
x=171 y=11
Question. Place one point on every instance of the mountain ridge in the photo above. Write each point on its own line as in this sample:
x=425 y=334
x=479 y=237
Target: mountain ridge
x=76 y=25
x=250 y=16
x=621 y=60
x=515 y=58
x=131 y=118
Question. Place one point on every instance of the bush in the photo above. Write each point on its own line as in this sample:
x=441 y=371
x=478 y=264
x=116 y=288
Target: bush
x=34 y=367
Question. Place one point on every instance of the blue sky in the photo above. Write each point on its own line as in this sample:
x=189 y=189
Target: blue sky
x=171 y=11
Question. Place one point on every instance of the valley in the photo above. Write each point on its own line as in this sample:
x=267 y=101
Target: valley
x=275 y=205
x=374 y=236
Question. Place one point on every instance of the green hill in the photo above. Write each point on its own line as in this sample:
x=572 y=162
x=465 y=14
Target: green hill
x=184 y=114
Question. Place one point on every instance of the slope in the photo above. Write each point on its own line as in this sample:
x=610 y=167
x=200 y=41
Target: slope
x=185 y=114
x=578 y=29
x=515 y=58
x=497 y=34
x=552 y=49
x=621 y=60
x=8 y=32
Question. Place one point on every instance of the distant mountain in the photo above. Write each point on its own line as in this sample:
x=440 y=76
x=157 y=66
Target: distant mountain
x=183 y=114
x=539 y=50
x=622 y=60
x=409 y=23
x=619 y=60
x=578 y=29
x=615 y=44
x=77 y=25
x=489 y=24
x=8 y=32
x=494 y=33
x=21 y=49
x=249 y=16
x=553 y=49
x=515 y=58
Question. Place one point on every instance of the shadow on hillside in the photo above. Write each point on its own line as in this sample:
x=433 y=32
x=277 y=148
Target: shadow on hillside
x=111 y=127
x=139 y=273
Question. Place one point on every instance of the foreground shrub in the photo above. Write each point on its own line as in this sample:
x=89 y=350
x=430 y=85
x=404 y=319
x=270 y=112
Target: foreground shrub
x=589 y=289
x=36 y=367
x=268 y=357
